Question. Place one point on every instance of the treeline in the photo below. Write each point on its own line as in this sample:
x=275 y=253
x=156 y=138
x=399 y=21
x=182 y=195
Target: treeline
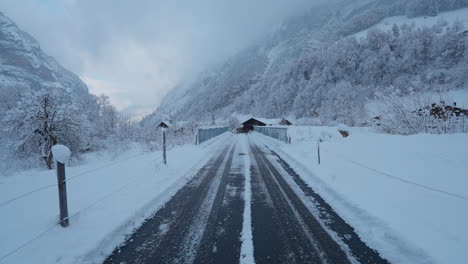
x=334 y=84
x=35 y=120
x=375 y=12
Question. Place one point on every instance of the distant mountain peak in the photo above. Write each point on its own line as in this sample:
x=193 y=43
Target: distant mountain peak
x=24 y=65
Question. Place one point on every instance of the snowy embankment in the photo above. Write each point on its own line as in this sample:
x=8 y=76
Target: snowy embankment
x=107 y=199
x=407 y=196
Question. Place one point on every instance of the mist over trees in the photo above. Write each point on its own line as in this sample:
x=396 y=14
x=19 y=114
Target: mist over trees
x=334 y=83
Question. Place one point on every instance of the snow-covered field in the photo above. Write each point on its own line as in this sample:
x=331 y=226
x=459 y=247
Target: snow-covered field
x=407 y=196
x=107 y=198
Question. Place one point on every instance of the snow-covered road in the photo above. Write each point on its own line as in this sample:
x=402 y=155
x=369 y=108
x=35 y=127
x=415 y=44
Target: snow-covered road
x=247 y=199
x=215 y=219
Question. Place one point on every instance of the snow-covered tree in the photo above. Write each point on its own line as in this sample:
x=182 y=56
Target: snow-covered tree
x=42 y=119
x=108 y=116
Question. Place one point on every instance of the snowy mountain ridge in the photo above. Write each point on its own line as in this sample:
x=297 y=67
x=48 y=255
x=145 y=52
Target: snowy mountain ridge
x=24 y=66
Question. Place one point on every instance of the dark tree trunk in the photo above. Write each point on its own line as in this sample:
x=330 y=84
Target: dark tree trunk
x=48 y=161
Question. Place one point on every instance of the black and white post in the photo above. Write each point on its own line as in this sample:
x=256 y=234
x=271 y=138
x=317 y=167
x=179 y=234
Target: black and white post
x=61 y=155
x=164 y=145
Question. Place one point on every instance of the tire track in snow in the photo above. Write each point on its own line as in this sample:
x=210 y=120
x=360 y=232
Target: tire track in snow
x=160 y=239
x=221 y=237
x=329 y=218
x=285 y=231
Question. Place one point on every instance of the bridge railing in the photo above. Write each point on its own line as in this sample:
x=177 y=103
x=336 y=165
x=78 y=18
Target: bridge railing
x=207 y=133
x=280 y=133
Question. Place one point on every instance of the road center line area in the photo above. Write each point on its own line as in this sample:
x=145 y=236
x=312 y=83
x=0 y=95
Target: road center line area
x=209 y=221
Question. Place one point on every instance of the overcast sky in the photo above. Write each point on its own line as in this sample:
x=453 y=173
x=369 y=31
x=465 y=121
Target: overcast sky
x=136 y=51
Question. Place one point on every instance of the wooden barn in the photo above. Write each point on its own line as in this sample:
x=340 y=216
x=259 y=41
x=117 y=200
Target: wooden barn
x=254 y=121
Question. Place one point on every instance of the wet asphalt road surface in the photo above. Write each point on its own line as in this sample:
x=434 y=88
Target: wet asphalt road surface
x=203 y=222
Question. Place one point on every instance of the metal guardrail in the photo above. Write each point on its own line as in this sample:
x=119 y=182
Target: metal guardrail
x=207 y=133
x=280 y=133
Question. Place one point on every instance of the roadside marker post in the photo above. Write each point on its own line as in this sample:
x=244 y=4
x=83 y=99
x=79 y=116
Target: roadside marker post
x=62 y=187
x=318 y=151
x=61 y=155
x=164 y=146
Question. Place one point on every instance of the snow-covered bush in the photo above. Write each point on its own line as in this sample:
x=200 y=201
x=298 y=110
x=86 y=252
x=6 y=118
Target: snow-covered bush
x=419 y=114
x=233 y=123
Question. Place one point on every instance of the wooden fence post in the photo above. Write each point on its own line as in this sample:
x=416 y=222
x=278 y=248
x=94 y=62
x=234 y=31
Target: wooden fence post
x=62 y=188
x=61 y=155
x=318 y=151
x=164 y=146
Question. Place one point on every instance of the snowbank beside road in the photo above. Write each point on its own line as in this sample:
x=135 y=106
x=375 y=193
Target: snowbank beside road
x=407 y=196
x=107 y=199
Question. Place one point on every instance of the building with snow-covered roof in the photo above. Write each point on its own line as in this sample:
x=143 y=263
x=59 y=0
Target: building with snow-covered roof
x=255 y=121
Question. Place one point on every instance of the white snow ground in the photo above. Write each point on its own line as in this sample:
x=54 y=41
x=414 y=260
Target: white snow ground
x=407 y=196
x=107 y=199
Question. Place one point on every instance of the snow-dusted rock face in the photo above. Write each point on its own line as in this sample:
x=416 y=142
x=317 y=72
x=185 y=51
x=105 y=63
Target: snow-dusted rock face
x=24 y=65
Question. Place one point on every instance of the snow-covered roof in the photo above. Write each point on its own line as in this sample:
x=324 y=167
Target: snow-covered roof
x=211 y=127
x=268 y=121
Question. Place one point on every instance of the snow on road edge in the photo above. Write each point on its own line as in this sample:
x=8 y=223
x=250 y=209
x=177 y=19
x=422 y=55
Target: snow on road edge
x=247 y=249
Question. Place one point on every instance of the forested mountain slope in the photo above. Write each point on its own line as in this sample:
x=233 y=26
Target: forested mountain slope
x=313 y=66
